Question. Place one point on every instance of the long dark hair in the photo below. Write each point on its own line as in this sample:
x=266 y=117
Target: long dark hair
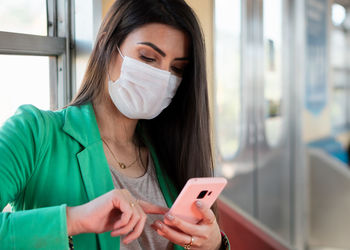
x=181 y=133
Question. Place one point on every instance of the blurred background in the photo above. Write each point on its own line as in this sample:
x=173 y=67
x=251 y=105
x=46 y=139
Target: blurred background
x=279 y=80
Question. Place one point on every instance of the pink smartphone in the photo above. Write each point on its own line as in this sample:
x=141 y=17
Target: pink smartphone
x=207 y=190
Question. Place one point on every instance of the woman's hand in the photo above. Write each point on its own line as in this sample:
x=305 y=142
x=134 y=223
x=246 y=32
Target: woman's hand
x=205 y=234
x=117 y=211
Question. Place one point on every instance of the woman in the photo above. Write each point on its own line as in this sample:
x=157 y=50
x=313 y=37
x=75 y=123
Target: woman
x=105 y=168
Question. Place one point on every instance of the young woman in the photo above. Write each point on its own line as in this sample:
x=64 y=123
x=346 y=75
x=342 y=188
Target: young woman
x=106 y=168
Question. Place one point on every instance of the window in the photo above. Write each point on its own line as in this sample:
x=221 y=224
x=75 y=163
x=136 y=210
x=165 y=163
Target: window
x=34 y=32
x=24 y=80
x=23 y=16
x=340 y=70
x=227 y=77
x=273 y=70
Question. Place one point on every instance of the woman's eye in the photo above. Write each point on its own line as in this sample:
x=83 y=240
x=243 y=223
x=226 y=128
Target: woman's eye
x=147 y=59
x=178 y=70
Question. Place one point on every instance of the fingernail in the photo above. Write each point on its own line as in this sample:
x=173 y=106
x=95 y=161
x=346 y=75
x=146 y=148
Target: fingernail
x=127 y=242
x=159 y=225
x=199 y=204
x=169 y=216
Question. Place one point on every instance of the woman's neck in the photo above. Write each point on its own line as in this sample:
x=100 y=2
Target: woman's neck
x=113 y=125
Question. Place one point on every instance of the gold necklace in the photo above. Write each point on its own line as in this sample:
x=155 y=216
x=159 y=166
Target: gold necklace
x=121 y=164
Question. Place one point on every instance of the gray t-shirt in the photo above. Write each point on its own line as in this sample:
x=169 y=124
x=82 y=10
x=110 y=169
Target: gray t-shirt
x=145 y=188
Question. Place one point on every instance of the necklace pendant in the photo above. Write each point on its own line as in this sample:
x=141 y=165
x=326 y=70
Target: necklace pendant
x=122 y=165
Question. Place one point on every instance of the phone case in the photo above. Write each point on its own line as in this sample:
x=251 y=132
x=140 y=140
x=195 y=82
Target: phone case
x=184 y=205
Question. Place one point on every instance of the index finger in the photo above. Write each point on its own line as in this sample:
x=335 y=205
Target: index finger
x=206 y=212
x=150 y=208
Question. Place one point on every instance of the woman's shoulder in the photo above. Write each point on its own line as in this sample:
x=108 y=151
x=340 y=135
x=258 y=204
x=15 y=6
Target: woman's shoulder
x=29 y=127
x=31 y=114
x=36 y=121
x=31 y=118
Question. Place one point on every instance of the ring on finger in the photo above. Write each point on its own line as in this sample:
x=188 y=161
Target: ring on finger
x=189 y=245
x=133 y=203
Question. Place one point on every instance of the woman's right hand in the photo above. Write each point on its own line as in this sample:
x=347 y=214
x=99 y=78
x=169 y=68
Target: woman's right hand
x=114 y=212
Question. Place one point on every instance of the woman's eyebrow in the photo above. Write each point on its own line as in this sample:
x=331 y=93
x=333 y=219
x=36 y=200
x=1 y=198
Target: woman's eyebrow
x=153 y=46
x=161 y=52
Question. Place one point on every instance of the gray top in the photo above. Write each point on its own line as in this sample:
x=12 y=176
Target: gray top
x=145 y=188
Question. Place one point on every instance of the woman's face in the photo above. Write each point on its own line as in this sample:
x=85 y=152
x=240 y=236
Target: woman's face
x=158 y=45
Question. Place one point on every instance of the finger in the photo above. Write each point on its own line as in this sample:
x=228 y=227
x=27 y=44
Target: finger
x=174 y=236
x=150 y=208
x=138 y=227
x=158 y=230
x=128 y=227
x=126 y=210
x=131 y=211
x=137 y=230
x=184 y=226
x=207 y=213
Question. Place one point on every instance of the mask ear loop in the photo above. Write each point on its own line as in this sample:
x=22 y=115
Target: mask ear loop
x=109 y=78
x=120 y=53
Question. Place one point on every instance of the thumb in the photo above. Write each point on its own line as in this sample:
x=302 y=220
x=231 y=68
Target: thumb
x=150 y=208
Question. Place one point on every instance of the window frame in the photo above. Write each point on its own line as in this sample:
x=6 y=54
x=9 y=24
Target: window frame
x=57 y=45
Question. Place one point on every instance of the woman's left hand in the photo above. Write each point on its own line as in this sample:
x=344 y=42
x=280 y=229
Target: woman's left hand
x=205 y=234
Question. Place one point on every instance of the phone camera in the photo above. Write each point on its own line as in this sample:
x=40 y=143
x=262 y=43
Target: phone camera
x=202 y=194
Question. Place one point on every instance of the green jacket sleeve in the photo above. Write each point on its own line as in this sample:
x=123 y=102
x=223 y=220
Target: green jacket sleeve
x=21 y=149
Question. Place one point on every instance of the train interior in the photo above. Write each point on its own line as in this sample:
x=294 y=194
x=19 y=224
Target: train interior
x=279 y=88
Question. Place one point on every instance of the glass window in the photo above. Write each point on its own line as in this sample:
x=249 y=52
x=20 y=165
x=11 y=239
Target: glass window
x=23 y=16
x=227 y=76
x=23 y=80
x=339 y=48
x=340 y=70
x=338 y=14
x=338 y=109
x=273 y=69
x=340 y=102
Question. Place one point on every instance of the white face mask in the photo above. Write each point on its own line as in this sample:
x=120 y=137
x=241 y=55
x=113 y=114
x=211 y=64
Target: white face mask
x=142 y=91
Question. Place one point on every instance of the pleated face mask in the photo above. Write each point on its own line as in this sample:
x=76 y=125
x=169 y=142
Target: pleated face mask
x=142 y=91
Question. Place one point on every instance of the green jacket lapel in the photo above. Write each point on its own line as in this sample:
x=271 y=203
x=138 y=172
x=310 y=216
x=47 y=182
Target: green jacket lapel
x=80 y=123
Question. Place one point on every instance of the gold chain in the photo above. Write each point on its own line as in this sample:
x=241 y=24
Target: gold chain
x=121 y=164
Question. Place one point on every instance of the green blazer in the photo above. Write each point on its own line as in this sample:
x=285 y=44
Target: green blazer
x=50 y=160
